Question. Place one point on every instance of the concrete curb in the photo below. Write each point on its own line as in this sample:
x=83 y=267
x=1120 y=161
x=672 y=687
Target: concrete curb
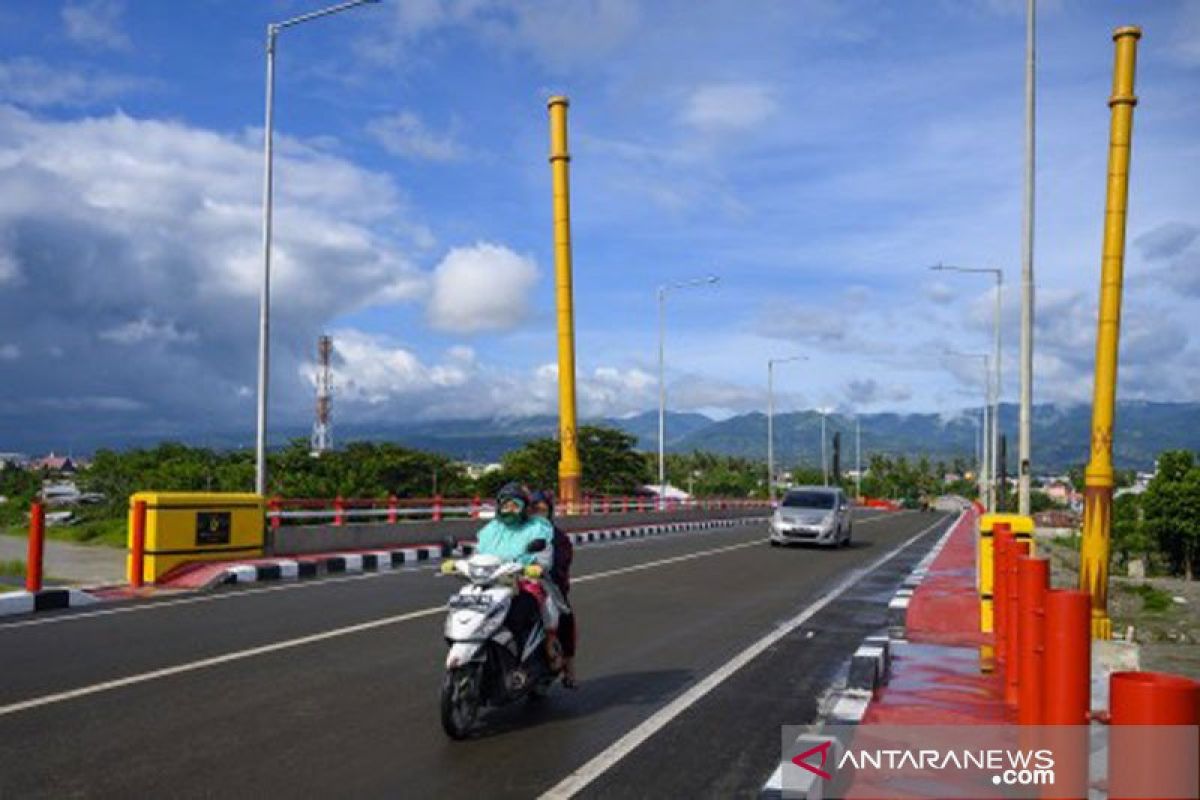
x=386 y=559
x=46 y=600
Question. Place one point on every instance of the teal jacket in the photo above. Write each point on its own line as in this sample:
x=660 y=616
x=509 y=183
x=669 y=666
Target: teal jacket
x=509 y=541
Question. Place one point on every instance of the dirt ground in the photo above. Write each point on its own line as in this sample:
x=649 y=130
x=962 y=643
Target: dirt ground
x=1169 y=637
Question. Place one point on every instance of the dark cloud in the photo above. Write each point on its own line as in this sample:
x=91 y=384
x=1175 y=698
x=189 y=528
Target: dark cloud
x=1167 y=240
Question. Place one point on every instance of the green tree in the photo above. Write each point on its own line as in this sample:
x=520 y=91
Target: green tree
x=611 y=464
x=1171 y=506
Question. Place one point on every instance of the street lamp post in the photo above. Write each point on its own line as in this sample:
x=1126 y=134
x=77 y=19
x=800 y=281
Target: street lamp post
x=662 y=385
x=264 y=298
x=824 y=458
x=994 y=398
x=857 y=457
x=771 y=362
x=985 y=483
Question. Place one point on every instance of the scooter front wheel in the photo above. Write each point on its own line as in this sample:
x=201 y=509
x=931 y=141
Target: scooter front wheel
x=461 y=699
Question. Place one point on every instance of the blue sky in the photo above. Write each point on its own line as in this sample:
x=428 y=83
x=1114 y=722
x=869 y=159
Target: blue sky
x=816 y=155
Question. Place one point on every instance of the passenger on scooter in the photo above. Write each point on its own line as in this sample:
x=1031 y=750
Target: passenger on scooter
x=542 y=505
x=508 y=537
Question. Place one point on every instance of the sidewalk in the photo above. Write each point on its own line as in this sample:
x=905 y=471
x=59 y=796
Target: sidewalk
x=85 y=565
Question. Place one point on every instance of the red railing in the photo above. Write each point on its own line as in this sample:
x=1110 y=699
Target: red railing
x=342 y=510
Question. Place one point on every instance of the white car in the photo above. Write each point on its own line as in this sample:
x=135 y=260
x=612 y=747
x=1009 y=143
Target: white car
x=812 y=515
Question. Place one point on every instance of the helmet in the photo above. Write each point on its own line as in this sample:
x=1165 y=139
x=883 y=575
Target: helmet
x=543 y=496
x=510 y=492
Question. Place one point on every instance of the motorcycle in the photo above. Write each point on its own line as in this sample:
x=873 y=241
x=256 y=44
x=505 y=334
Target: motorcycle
x=486 y=666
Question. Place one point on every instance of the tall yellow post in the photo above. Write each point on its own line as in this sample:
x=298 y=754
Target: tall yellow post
x=570 y=471
x=1097 y=515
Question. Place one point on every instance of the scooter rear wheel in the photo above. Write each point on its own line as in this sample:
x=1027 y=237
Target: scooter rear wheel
x=461 y=698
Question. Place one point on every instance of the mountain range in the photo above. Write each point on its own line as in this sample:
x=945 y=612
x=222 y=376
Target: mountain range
x=1061 y=435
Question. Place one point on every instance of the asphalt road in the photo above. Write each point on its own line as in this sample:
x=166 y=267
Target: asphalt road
x=330 y=688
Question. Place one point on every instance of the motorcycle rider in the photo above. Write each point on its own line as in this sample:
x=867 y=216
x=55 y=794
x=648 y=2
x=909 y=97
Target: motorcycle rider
x=542 y=505
x=507 y=536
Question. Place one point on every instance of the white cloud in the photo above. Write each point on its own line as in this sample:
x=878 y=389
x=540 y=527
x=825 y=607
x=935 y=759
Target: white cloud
x=377 y=377
x=939 y=292
x=144 y=329
x=728 y=107
x=374 y=370
x=35 y=84
x=485 y=287
x=1185 y=40
x=96 y=24
x=9 y=352
x=10 y=272
x=126 y=231
x=560 y=34
x=405 y=134
x=861 y=392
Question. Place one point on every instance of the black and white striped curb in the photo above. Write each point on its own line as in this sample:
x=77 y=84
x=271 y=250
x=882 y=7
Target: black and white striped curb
x=338 y=564
x=45 y=600
x=381 y=560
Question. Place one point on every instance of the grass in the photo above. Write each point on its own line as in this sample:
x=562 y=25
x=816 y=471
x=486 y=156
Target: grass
x=1152 y=599
x=89 y=528
x=13 y=568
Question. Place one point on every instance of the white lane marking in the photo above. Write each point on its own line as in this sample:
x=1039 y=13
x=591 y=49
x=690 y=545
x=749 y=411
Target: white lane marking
x=327 y=581
x=226 y=658
x=601 y=763
x=288 y=644
x=412 y=566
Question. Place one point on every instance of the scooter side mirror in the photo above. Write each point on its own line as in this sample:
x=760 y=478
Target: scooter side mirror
x=536 y=546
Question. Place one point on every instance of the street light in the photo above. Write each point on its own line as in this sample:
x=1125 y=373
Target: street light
x=857 y=457
x=994 y=399
x=662 y=385
x=264 y=299
x=771 y=362
x=985 y=484
x=824 y=460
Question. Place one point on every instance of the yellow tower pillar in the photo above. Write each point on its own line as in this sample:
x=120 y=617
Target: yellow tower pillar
x=1098 y=494
x=570 y=471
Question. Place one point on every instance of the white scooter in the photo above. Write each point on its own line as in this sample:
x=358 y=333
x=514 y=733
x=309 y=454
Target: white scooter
x=486 y=665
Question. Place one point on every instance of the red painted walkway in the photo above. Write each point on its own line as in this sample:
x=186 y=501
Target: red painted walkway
x=936 y=677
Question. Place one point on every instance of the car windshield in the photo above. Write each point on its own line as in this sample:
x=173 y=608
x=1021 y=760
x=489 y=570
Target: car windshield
x=808 y=500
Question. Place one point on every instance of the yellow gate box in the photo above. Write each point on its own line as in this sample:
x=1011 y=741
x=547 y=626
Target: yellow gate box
x=1022 y=528
x=196 y=526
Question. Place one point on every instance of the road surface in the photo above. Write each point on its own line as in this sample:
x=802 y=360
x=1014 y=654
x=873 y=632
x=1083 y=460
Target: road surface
x=329 y=688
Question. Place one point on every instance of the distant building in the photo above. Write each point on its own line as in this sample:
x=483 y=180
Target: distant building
x=54 y=463
x=477 y=471
x=13 y=460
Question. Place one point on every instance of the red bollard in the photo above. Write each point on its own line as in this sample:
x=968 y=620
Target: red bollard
x=37 y=548
x=1018 y=549
x=475 y=507
x=339 y=511
x=1166 y=758
x=1033 y=581
x=1002 y=538
x=137 y=549
x=437 y=508
x=1067 y=689
x=392 y=516
x=604 y=504
x=1066 y=683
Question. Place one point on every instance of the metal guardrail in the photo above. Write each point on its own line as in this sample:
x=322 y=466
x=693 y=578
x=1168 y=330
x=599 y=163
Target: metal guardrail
x=394 y=510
